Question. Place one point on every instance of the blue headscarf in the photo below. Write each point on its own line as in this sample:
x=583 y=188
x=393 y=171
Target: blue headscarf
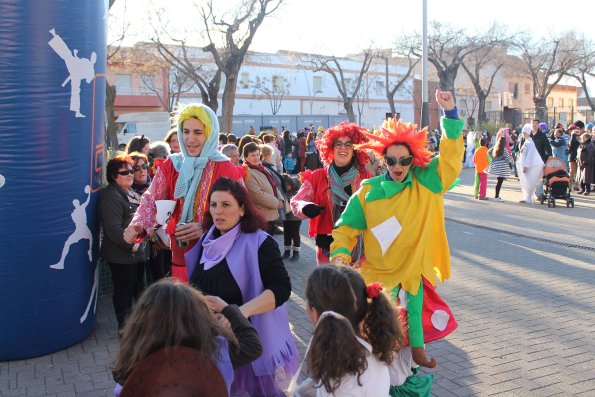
x=190 y=168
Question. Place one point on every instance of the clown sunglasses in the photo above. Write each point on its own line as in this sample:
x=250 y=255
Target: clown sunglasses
x=137 y=168
x=403 y=161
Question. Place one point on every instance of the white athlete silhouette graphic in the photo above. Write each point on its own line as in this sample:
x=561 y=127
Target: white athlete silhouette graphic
x=78 y=68
x=81 y=230
x=2 y=181
x=93 y=295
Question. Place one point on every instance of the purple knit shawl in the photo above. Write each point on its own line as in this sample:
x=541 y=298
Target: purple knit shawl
x=278 y=346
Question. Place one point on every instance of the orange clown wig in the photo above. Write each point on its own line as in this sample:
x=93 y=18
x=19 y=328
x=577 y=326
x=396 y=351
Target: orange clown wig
x=395 y=132
x=357 y=135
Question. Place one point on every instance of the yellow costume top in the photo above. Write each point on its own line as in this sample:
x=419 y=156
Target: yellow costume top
x=403 y=222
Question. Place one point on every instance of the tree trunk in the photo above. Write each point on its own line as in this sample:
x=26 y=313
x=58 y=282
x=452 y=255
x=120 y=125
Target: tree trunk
x=540 y=109
x=348 y=105
x=111 y=138
x=391 y=103
x=481 y=108
x=228 y=102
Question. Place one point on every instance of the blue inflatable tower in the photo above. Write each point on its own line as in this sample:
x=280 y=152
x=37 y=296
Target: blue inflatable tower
x=52 y=94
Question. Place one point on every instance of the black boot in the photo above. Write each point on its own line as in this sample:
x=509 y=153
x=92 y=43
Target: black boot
x=295 y=256
x=286 y=253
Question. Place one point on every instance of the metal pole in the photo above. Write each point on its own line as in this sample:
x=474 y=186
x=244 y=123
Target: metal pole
x=425 y=116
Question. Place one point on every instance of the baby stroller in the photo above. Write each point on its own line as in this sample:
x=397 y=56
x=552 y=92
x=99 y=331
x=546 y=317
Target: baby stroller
x=556 y=183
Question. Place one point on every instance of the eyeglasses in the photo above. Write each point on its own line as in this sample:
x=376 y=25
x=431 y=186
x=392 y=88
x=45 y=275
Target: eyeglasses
x=341 y=145
x=138 y=167
x=129 y=171
x=403 y=161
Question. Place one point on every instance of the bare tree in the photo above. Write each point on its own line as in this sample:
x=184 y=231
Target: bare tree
x=469 y=102
x=392 y=90
x=184 y=60
x=362 y=95
x=546 y=61
x=237 y=34
x=274 y=90
x=448 y=48
x=347 y=87
x=584 y=70
x=178 y=83
x=483 y=64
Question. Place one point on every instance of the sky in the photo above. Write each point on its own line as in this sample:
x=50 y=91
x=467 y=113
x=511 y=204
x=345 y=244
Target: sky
x=340 y=27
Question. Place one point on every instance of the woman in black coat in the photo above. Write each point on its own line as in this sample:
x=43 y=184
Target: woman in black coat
x=117 y=205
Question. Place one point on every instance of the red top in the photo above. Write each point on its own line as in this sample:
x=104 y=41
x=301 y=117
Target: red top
x=316 y=189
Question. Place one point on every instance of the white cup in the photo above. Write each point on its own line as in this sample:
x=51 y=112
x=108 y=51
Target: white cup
x=164 y=210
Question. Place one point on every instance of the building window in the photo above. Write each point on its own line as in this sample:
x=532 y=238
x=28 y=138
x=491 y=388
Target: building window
x=244 y=80
x=488 y=106
x=278 y=83
x=317 y=84
x=348 y=83
x=147 y=84
x=463 y=103
x=550 y=103
x=527 y=88
x=561 y=102
x=571 y=102
x=379 y=87
x=514 y=89
x=124 y=84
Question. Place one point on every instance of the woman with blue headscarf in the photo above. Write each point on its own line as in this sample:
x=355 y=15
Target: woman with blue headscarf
x=186 y=177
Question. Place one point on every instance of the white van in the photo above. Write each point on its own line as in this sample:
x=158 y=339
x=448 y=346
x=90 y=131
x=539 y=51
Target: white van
x=153 y=125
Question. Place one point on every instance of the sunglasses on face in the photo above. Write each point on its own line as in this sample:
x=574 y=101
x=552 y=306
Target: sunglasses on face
x=403 y=161
x=341 y=145
x=129 y=171
x=138 y=167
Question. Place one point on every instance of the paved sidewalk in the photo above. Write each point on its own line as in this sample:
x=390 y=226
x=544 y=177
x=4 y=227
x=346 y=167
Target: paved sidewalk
x=526 y=309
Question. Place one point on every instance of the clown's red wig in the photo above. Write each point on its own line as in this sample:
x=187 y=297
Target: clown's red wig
x=394 y=132
x=357 y=135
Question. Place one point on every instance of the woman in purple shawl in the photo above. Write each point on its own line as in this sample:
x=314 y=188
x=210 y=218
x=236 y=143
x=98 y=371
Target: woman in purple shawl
x=241 y=264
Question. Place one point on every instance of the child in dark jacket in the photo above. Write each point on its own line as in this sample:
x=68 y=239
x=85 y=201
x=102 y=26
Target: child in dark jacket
x=291 y=224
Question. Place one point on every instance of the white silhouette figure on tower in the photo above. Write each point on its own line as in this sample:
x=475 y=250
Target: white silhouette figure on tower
x=81 y=230
x=78 y=68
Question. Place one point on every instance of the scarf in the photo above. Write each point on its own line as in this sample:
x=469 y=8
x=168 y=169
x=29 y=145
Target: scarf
x=215 y=249
x=340 y=198
x=338 y=183
x=190 y=168
x=260 y=168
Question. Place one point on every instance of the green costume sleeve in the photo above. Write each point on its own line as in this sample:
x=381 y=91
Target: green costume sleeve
x=353 y=215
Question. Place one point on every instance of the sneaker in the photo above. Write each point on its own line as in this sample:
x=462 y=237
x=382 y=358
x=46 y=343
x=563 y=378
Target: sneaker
x=586 y=194
x=580 y=192
x=523 y=202
x=498 y=199
x=475 y=197
x=484 y=198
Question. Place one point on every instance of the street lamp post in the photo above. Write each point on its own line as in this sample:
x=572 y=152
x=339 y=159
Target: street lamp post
x=425 y=116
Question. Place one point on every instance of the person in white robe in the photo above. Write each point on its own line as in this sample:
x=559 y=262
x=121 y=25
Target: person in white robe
x=470 y=150
x=529 y=167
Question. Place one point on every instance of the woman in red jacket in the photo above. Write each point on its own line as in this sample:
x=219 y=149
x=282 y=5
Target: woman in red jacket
x=325 y=191
x=186 y=177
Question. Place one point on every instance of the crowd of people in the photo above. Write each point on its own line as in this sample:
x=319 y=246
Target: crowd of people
x=193 y=217
x=525 y=151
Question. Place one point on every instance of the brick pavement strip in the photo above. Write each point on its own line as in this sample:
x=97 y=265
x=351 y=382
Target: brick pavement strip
x=525 y=310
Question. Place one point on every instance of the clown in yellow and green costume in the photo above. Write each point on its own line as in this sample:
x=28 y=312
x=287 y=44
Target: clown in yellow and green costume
x=400 y=215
